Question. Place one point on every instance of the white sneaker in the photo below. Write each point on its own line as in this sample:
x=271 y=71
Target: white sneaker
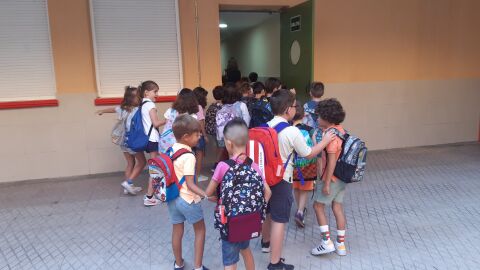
x=135 y=188
x=150 y=202
x=340 y=248
x=130 y=188
x=324 y=248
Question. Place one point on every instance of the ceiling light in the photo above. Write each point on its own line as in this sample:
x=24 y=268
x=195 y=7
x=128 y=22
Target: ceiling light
x=223 y=25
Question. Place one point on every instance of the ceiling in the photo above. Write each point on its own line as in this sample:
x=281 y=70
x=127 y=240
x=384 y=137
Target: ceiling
x=239 y=21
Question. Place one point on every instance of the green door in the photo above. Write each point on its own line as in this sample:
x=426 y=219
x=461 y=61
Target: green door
x=296 y=48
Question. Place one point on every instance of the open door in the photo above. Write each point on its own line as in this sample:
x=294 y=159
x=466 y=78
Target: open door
x=296 y=48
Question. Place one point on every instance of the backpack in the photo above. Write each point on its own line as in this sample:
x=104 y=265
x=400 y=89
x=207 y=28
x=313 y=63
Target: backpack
x=260 y=112
x=263 y=149
x=241 y=197
x=305 y=169
x=225 y=115
x=135 y=137
x=310 y=116
x=166 y=185
x=167 y=138
x=210 y=119
x=351 y=164
x=119 y=129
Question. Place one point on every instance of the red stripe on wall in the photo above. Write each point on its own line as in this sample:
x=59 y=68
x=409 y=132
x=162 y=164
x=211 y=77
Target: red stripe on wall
x=117 y=101
x=28 y=104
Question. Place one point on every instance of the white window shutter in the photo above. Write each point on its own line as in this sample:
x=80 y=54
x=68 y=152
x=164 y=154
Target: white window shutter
x=26 y=62
x=135 y=41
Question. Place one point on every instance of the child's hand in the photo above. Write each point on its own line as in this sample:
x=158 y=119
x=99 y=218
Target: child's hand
x=213 y=199
x=328 y=136
x=293 y=91
x=326 y=189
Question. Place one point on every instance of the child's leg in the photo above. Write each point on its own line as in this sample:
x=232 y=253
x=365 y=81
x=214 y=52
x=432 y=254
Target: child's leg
x=130 y=164
x=339 y=215
x=139 y=165
x=302 y=200
x=276 y=242
x=199 y=230
x=177 y=236
x=320 y=213
x=296 y=193
x=219 y=153
x=199 y=154
x=247 y=259
x=266 y=229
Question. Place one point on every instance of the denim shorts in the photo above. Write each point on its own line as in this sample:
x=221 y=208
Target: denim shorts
x=231 y=251
x=180 y=211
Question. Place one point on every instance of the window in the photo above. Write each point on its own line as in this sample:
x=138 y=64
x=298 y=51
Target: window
x=26 y=62
x=136 y=41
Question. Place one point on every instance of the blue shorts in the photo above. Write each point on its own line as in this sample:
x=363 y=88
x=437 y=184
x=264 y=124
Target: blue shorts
x=180 y=211
x=201 y=144
x=152 y=147
x=231 y=251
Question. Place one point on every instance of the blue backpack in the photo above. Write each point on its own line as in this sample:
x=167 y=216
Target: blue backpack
x=135 y=138
x=260 y=112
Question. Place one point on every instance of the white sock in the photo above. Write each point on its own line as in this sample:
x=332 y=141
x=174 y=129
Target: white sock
x=340 y=236
x=325 y=232
x=178 y=266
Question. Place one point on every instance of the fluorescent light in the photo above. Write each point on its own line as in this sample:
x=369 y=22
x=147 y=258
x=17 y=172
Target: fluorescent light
x=223 y=25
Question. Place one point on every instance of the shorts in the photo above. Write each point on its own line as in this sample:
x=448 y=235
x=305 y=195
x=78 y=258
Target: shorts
x=337 y=192
x=220 y=143
x=200 y=145
x=231 y=251
x=127 y=150
x=180 y=211
x=152 y=147
x=280 y=203
x=308 y=185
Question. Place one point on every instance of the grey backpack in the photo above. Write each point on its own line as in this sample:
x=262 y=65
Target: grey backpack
x=351 y=164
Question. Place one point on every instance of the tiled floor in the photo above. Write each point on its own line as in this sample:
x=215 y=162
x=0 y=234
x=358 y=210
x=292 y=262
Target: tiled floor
x=418 y=208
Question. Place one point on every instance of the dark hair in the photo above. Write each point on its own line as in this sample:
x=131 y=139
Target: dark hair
x=317 y=89
x=258 y=87
x=244 y=88
x=186 y=102
x=146 y=86
x=218 y=92
x=130 y=98
x=299 y=113
x=244 y=80
x=272 y=83
x=281 y=100
x=230 y=94
x=185 y=124
x=253 y=76
x=201 y=95
x=331 y=111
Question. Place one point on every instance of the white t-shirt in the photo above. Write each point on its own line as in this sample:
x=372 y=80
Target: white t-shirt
x=244 y=110
x=289 y=140
x=123 y=114
x=147 y=122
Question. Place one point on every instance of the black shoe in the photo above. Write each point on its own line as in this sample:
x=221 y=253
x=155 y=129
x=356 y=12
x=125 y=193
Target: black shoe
x=178 y=268
x=265 y=246
x=280 y=266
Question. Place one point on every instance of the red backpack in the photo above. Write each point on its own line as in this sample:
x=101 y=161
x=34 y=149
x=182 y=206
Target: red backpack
x=166 y=185
x=263 y=150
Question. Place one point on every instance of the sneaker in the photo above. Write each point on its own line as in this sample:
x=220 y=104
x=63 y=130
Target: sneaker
x=265 y=246
x=150 y=202
x=340 y=248
x=178 y=268
x=130 y=188
x=324 y=248
x=300 y=220
x=204 y=268
x=281 y=265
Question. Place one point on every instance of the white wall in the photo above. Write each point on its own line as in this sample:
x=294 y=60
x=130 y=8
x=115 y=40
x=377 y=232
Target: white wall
x=256 y=49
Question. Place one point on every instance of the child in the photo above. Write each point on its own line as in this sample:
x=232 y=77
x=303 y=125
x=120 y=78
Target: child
x=135 y=161
x=253 y=77
x=290 y=140
x=330 y=190
x=236 y=139
x=210 y=123
x=272 y=84
x=260 y=108
x=305 y=172
x=148 y=91
x=231 y=108
x=201 y=95
x=187 y=207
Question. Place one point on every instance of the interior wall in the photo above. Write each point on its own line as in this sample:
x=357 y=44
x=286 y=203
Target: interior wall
x=256 y=49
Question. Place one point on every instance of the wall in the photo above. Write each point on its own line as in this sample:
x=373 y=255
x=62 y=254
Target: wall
x=407 y=72
x=256 y=49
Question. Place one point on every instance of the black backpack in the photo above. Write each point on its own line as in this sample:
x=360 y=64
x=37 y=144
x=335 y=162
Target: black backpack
x=261 y=112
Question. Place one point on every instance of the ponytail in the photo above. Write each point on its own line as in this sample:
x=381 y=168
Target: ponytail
x=146 y=86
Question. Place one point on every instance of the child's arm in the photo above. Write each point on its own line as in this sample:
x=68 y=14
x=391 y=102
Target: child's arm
x=154 y=117
x=210 y=191
x=316 y=149
x=204 y=133
x=267 y=191
x=327 y=176
x=193 y=187
x=107 y=110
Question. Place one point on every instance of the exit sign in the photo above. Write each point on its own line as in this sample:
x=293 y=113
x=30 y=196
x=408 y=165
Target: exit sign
x=295 y=23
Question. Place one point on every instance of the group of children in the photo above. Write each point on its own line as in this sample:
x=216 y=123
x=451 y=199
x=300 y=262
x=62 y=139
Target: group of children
x=309 y=150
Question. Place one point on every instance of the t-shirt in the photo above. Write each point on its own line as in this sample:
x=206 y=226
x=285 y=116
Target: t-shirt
x=200 y=113
x=289 y=140
x=244 y=110
x=147 y=121
x=335 y=147
x=125 y=115
x=185 y=165
x=223 y=167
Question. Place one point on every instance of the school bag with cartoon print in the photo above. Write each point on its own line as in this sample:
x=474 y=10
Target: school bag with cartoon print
x=305 y=169
x=241 y=195
x=166 y=185
x=226 y=114
x=210 y=119
x=167 y=138
x=352 y=162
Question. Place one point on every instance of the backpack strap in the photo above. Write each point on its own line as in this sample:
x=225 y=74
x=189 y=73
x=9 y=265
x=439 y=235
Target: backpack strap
x=180 y=152
x=151 y=126
x=281 y=126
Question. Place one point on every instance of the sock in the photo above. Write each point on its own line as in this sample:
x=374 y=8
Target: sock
x=178 y=266
x=299 y=212
x=325 y=233
x=130 y=182
x=340 y=236
x=201 y=268
x=151 y=196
